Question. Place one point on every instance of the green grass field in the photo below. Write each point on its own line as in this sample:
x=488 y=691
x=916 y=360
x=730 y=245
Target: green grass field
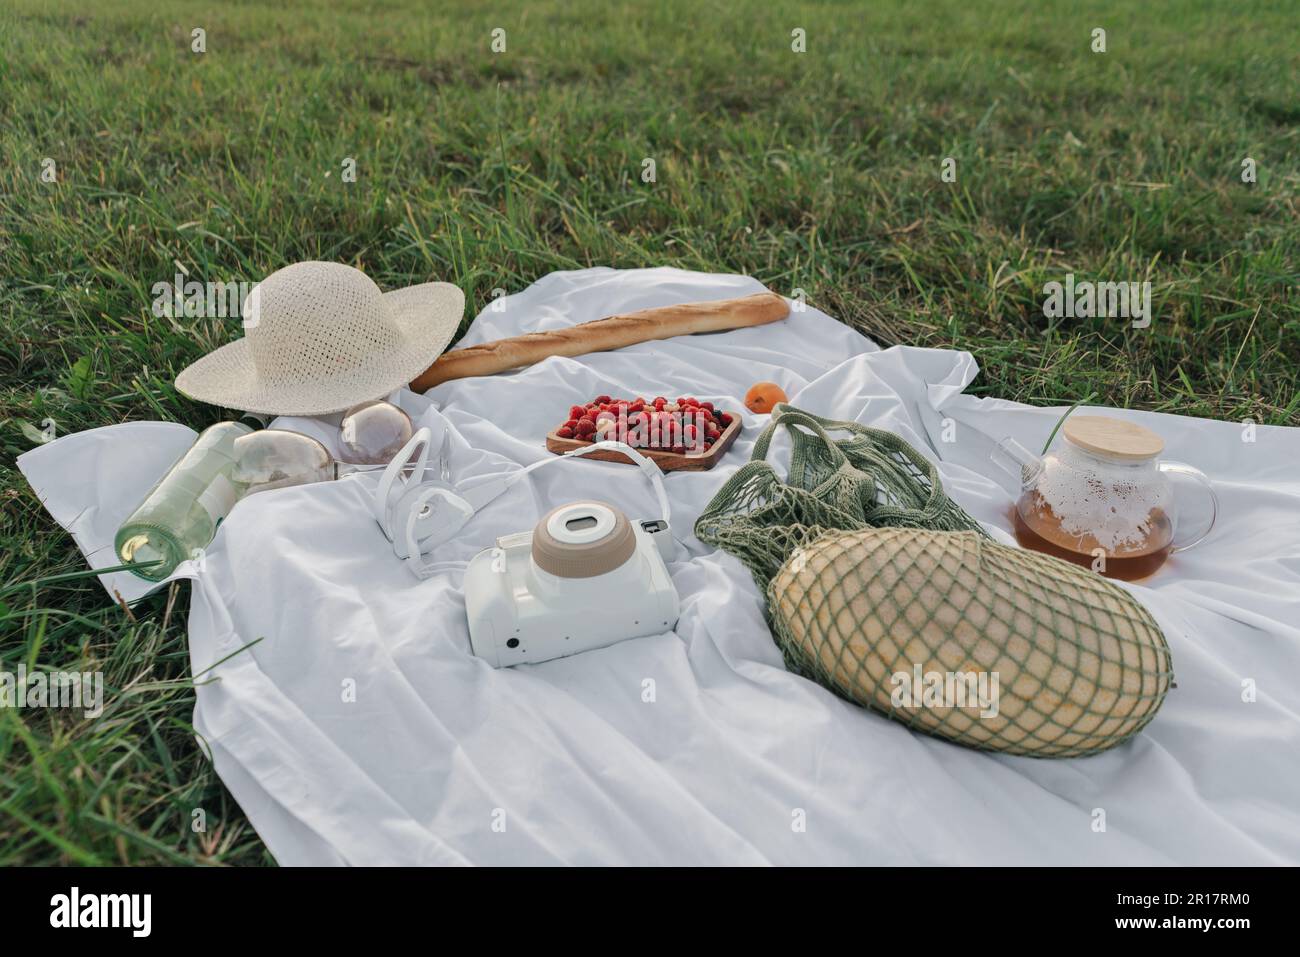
x=817 y=170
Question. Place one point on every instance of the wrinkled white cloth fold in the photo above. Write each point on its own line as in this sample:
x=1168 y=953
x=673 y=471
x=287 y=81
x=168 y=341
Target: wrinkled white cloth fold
x=353 y=725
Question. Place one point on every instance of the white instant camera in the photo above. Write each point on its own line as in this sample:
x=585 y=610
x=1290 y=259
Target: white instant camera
x=587 y=576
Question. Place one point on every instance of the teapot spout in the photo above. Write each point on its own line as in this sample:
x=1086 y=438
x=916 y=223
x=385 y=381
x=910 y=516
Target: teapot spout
x=1016 y=460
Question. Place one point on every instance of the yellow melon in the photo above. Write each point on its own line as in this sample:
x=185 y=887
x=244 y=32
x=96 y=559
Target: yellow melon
x=902 y=620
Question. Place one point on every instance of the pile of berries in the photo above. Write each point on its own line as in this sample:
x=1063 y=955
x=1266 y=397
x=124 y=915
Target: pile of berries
x=684 y=425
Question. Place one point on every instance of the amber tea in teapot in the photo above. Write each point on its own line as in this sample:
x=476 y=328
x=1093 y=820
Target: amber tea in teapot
x=1102 y=499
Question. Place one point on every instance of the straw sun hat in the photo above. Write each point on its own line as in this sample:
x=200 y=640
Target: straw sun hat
x=321 y=337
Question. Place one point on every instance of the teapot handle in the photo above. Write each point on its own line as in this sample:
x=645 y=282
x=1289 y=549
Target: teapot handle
x=1179 y=468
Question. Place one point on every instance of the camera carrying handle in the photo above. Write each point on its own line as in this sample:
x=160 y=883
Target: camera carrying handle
x=403 y=505
x=649 y=468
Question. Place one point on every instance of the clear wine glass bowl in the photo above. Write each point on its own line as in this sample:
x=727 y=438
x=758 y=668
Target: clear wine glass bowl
x=277 y=458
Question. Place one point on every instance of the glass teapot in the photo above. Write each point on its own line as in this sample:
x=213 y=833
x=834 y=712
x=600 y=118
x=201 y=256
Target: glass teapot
x=1102 y=498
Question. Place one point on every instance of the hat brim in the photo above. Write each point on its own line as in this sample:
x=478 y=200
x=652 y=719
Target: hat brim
x=427 y=317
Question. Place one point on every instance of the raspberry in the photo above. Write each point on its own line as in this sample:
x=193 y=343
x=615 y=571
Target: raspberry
x=726 y=418
x=576 y=411
x=572 y=423
x=564 y=432
x=707 y=407
x=602 y=399
x=689 y=432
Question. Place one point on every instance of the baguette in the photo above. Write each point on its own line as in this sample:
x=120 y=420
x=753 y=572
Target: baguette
x=603 y=335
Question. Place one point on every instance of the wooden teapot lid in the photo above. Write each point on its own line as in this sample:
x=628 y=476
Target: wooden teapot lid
x=1113 y=437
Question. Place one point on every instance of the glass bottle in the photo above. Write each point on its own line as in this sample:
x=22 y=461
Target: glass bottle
x=181 y=513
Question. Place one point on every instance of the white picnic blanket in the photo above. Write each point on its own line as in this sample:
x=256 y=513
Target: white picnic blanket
x=359 y=729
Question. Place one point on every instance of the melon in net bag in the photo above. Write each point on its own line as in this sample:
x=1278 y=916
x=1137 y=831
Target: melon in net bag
x=871 y=573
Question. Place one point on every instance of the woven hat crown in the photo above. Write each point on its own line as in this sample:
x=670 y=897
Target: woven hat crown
x=313 y=320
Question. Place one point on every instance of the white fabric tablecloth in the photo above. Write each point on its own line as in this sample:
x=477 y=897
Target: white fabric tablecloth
x=442 y=760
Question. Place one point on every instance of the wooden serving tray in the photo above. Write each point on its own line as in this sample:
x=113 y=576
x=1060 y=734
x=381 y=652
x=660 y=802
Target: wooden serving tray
x=667 y=461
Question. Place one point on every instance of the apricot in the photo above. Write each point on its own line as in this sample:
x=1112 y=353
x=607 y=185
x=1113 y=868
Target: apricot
x=762 y=397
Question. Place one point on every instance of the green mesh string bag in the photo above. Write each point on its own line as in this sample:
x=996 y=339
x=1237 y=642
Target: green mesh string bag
x=882 y=589
x=870 y=478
